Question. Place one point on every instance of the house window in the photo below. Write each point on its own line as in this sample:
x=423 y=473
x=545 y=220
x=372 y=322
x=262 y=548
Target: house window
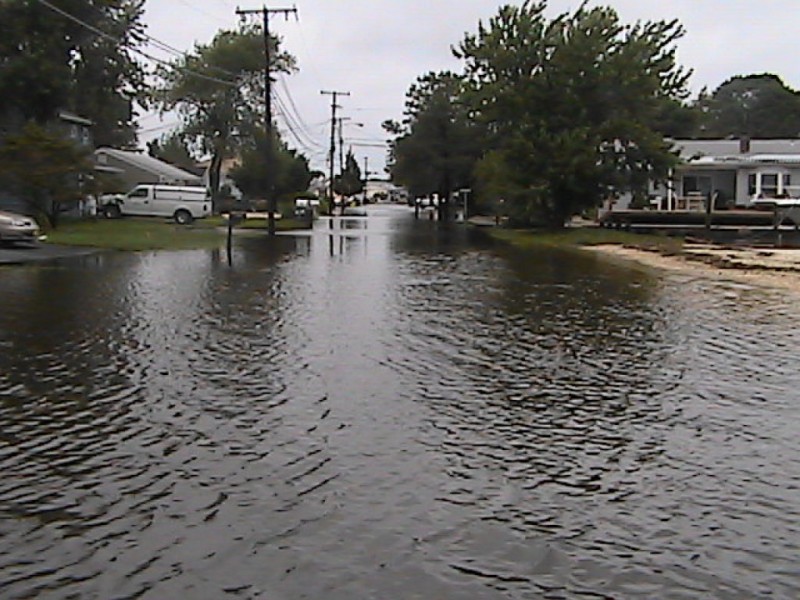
x=696 y=184
x=769 y=184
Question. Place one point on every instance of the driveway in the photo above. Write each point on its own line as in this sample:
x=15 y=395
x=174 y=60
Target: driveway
x=22 y=254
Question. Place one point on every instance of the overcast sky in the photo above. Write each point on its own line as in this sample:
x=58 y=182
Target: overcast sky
x=374 y=49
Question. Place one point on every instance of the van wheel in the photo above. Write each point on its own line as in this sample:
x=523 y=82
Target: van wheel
x=183 y=217
x=112 y=211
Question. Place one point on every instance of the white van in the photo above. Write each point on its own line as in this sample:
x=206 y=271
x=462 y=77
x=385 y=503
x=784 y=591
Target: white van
x=182 y=203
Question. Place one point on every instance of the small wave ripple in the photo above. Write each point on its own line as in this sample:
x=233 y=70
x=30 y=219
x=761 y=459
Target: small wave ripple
x=399 y=414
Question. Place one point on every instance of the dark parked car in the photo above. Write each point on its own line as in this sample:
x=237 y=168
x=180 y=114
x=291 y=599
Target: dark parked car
x=17 y=228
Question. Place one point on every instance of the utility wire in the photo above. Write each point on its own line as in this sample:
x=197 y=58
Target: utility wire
x=160 y=127
x=294 y=122
x=191 y=6
x=302 y=138
x=299 y=118
x=107 y=36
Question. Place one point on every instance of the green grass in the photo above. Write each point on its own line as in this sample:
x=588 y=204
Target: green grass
x=136 y=234
x=284 y=224
x=586 y=236
x=132 y=233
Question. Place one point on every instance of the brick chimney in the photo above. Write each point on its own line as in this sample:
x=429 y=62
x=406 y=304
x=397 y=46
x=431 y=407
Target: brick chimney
x=744 y=145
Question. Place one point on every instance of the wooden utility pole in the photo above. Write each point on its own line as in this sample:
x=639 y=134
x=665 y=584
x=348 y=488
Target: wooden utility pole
x=272 y=203
x=341 y=146
x=332 y=155
x=366 y=178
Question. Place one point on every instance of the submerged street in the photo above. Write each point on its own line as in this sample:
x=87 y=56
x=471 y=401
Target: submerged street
x=390 y=408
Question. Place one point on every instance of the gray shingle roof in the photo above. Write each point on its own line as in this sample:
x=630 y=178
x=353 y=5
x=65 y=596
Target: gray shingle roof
x=728 y=148
x=165 y=171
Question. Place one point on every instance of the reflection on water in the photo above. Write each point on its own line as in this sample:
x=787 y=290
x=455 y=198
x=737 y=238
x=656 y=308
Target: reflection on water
x=390 y=409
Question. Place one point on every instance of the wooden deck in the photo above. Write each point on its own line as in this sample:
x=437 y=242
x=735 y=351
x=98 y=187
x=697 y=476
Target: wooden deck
x=657 y=219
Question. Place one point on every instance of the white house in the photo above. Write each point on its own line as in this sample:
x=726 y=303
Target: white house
x=228 y=164
x=133 y=168
x=734 y=171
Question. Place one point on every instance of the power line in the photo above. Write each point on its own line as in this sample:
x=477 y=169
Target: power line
x=297 y=114
x=191 y=6
x=108 y=36
x=291 y=127
x=297 y=130
x=163 y=46
x=160 y=127
x=307 y=143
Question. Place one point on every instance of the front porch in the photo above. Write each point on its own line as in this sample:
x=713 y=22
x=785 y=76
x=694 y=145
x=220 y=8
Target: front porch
x=690 y=187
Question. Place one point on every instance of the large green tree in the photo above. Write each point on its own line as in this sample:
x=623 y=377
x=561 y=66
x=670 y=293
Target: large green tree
x=49 y=172
x=349 y=182
x=572 y=104
x=756 y=106
x=437 y=144
x=76 y=55
x=280 y=171
x=218 y=89
x=172 y=148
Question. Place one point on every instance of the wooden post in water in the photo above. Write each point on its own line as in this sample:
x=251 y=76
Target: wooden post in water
x=230 y=239
x=711 y=200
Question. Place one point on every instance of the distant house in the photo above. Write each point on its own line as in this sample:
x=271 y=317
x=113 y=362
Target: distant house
x=65 y=124
x=225 y=180
x=378 y=187
x=75 y=128
x=318 y=186
x=734 y=171
x=133 y=168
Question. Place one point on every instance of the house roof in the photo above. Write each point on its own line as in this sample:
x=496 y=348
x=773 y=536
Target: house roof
x=71 y=117
x=731 y=149
x=227 y=163
x=163 y=170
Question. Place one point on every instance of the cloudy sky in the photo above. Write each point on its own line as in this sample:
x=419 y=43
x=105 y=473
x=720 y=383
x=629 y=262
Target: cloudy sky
x=374 y=49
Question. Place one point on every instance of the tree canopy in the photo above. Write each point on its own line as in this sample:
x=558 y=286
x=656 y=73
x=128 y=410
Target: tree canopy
x=349 y=182
x=51 y=62
x=48 y=171
x=572 y=105
x=172 y=148
x=437 y=144
x=286 y=176
x=756 y=106
x=218 y=90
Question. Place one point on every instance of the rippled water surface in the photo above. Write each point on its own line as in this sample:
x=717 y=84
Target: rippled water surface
x=389 y=409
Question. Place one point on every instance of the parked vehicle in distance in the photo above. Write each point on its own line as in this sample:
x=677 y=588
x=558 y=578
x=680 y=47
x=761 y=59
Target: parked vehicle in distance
x=354 y=211
x=17 y=228
x=182 y=203
x=305 y=207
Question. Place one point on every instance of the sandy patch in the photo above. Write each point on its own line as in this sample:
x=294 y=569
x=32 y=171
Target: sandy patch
x=774 y=268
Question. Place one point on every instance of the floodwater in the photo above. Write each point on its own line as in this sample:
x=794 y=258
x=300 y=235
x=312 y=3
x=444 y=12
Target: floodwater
x=392 y=410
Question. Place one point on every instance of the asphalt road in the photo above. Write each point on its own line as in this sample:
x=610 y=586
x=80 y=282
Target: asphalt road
x=17 y=254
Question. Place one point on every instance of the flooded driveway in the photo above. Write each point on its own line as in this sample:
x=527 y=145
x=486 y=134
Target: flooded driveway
x=391 y=409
